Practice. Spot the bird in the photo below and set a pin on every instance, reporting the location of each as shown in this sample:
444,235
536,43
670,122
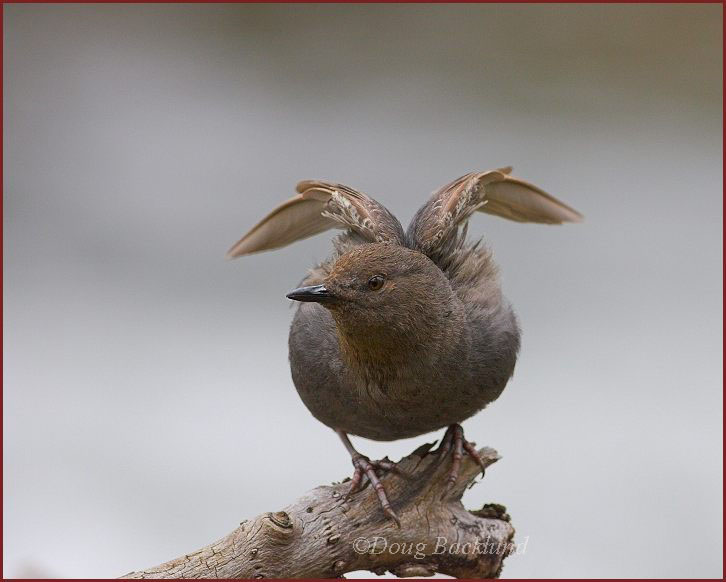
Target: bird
401,333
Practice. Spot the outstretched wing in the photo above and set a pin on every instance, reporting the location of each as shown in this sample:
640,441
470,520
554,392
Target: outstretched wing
320,206
494,192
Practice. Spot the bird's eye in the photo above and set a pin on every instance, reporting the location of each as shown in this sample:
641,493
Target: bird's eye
375,282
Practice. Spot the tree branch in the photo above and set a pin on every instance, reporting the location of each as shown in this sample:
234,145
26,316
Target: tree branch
324,534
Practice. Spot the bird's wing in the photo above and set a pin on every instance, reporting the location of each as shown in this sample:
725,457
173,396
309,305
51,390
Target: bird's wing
320,206
494,192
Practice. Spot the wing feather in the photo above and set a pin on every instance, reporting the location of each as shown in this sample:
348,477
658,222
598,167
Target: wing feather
518,200
320,206
494,192
293,220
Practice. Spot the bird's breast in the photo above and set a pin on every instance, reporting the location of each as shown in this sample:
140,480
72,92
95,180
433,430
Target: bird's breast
404,394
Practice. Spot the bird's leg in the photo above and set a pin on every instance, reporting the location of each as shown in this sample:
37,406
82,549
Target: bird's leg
457,455
445,445
359,478
454,438
364,466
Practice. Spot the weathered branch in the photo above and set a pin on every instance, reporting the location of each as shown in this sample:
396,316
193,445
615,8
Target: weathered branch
324,534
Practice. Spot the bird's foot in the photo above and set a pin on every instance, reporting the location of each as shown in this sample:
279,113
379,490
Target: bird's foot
455,443
364,467
360,477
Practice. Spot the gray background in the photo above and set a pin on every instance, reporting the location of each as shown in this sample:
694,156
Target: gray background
148,403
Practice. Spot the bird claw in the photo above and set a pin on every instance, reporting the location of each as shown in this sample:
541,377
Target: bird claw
365,467
454,438
360,479
470,448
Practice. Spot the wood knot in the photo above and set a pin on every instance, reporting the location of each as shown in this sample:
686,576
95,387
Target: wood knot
339,567
414,570
281,519
278,526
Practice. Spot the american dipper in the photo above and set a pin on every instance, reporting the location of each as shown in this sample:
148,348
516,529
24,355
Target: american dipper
402,333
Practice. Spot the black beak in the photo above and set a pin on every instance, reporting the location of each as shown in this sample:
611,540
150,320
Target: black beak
316,293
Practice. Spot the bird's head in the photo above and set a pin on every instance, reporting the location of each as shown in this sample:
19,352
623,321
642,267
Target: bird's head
382,292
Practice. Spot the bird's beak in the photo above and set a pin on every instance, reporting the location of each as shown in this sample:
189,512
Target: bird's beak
316,293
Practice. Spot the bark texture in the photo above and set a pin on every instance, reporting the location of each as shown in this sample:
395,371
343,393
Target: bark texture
325,534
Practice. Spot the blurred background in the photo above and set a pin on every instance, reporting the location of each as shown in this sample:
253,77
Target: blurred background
148,405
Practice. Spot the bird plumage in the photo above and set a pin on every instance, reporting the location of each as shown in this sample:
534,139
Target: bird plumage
320,206
402,332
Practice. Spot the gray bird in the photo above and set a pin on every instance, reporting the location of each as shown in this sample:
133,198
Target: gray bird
402,333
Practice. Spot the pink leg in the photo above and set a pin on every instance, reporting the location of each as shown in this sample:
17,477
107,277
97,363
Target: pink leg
364,466
454,439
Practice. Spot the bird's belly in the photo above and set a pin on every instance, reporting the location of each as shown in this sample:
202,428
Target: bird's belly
415,399
389,413
412,409
341,400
